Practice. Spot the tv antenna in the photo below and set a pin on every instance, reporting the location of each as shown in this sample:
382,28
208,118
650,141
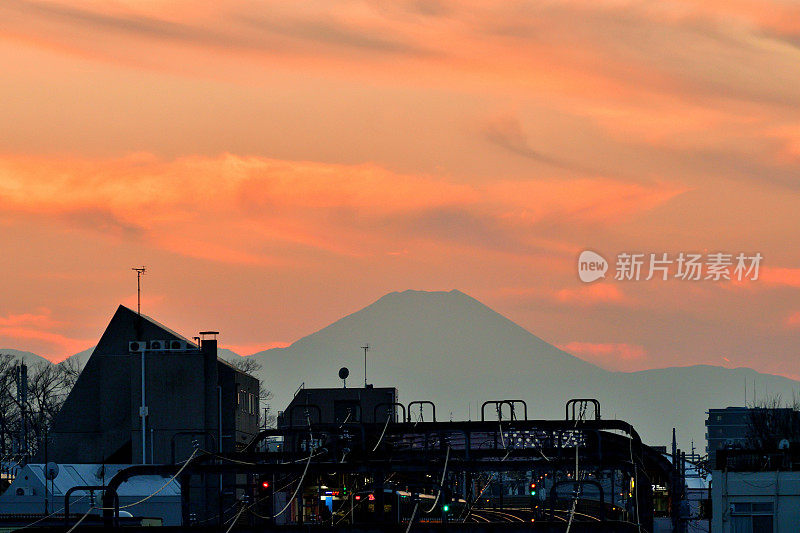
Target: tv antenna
139,273
365,347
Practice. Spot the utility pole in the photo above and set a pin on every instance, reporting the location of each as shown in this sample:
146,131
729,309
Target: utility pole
366,349
143,409
139,273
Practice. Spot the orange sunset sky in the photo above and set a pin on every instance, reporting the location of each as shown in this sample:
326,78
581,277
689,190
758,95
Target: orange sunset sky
277,165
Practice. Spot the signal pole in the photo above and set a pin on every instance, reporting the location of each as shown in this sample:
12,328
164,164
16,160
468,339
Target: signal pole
366,349
139,273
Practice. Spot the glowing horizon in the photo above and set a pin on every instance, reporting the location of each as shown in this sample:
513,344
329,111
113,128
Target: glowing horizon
279,166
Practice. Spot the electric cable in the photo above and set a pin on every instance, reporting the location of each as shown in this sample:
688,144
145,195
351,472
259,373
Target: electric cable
296,490
382,433
413,515
441,483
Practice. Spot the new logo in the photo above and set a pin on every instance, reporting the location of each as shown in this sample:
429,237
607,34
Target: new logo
591,266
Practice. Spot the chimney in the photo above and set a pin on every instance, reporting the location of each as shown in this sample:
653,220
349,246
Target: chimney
208,344
211,400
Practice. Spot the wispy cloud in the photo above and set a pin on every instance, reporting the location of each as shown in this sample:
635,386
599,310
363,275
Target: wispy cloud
594,294
614,356
506,132
249,208
39,332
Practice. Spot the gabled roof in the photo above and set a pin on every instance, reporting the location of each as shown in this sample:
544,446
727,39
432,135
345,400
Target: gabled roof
158,324
127,325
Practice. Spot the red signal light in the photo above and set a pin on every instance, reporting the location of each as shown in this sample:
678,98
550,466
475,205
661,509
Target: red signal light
358,497
265,484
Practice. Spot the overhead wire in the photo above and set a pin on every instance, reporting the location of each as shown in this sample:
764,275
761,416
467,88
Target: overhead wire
388,418
413,516
294,495
49,515
164,486
441,482
578,487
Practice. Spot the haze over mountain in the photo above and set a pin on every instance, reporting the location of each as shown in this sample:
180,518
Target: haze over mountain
450,348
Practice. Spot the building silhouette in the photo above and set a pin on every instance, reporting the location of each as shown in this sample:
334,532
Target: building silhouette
191,399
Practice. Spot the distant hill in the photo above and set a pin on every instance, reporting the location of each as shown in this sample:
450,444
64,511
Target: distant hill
81,357
29,358
228,355
450,348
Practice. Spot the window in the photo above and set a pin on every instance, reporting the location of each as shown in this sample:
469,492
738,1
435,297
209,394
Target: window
251,403
243,401
752,517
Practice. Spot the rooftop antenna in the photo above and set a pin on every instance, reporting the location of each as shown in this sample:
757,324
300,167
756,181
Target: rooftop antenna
139,273
366,349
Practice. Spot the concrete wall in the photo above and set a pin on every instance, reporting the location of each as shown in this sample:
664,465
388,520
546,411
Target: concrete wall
174,382
242,422
782,489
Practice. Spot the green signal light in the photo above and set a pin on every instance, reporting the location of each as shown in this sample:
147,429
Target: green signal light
445,508
533,493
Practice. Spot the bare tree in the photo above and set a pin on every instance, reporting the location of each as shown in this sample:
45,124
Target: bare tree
772,420
23,428
250,366
7,404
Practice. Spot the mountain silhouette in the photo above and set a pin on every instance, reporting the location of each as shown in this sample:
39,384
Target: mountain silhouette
449,348
29,358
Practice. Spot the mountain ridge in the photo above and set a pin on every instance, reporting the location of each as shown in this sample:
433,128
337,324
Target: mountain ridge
418,347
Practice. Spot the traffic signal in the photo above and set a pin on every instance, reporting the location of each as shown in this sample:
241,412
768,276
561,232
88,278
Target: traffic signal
445,508
264,487
532,488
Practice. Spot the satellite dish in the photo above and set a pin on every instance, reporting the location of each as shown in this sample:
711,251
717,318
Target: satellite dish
51,471
343,373
783,444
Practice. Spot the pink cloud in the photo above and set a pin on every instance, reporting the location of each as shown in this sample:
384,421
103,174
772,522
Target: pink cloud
592,294
780,276
35,332
616,356
41,320
793,320
251,210
51,345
